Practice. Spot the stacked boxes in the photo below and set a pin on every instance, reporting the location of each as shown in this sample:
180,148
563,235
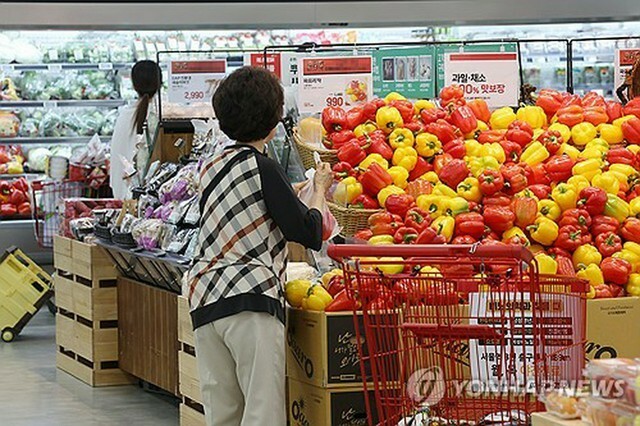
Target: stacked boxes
87,317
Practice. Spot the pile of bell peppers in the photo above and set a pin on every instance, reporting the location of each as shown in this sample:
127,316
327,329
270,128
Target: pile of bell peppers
561,177
14,199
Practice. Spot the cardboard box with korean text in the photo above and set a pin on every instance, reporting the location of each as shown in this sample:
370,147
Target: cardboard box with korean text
612,328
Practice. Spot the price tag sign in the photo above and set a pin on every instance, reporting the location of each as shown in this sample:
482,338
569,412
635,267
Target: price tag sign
274,62
54,67
493,77
195,81
49,104
105,66
623,63
344,81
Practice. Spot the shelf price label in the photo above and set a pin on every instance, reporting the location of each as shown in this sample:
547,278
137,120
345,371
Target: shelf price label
195,81
623,63
105,66
50,104
54,67
344,81
493,77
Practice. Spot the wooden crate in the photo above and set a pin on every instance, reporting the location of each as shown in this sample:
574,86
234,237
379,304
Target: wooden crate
79,296
188,374
191,413
185,326
91,264
62,260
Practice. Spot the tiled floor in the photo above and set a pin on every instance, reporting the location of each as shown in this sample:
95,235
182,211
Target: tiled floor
34,392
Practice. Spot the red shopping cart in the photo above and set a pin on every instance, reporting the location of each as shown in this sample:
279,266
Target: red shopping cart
464,334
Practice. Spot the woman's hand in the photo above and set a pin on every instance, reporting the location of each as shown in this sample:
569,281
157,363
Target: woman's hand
323,178
297,187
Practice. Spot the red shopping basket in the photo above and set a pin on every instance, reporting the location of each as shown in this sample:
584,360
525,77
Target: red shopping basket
465,334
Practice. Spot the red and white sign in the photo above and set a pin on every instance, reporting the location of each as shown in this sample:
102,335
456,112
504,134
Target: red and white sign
195,81
274,62
493,77
624,60
344,81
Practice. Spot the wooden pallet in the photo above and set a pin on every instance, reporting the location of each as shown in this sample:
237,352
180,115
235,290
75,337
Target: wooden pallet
191,413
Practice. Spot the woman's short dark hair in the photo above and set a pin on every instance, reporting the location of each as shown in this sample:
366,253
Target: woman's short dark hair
249,104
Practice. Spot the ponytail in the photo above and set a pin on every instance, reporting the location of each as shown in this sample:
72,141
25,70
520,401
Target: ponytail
147,79
141,114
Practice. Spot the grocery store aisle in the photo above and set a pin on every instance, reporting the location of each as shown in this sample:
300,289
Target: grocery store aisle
34,392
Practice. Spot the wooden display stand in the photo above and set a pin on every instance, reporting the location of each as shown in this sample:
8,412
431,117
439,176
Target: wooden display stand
87,317
191,409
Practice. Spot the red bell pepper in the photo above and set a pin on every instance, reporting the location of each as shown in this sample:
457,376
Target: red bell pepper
470,224
422,166
631,130
464,119
335,285
525,210
630,230
601,224
418,187
491,181
569,99
455,148
480,109
571,237
443,130
632,107
614,110
511,149
430,236
355,117
570,115
491,136
595,115
384,223
498,218
577,217
551,139
464,239
24,209
559,167
416,127
431,115
405,108
593,200
615,270
608,243
334,119
374,179
557,252
342,170
364,234
338,139
593,99
520,132
8,210
550,101
452,95
21,185
498,199
515,178
18,197
565,266
540,190
604,291
453,172
378,145
417,219
399,204
621,155
5,190
370,108
364,201
341,302
405,235
439,161
352,153
536,174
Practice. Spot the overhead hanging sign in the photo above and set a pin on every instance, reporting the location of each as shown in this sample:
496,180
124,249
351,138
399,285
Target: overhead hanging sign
195,81
273,62
623,63
493,77
284,65
344,81
409,71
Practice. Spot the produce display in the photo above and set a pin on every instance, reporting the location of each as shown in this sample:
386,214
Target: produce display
14,199
79,215
11,160
560,177
42,86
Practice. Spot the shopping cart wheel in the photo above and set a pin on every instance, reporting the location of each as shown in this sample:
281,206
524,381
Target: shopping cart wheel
8,335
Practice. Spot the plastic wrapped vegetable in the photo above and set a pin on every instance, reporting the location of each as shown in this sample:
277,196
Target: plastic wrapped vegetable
37,159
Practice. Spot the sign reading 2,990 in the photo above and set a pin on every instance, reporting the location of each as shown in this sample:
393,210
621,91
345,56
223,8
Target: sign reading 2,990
195,81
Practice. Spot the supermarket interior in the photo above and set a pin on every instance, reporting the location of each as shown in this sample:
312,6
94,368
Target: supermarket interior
329,213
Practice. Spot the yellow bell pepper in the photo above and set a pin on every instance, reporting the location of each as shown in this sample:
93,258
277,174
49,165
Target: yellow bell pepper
374,158
564,130
502,118
473,148
591,293
381,240
586,255
579,182
482,126
421,104
537,133
326,277
599,143
635,148
469,189
618,121
633,285
435,205
526,193
444,226
431,270
494,150
516,232
610,133
616,208
442,189
385,192
394,96
543,231
588,168
549,209
607,181
401,138
565,195
630,256
534,115
477,165
295,291
536,248
626,170
633,247
431,177
388,118
405,157
400,176
364,128
388,268
428,144
347,190
456,205
591,273
546,264
592,152
317,298
570,150
634,207
535,154
583,133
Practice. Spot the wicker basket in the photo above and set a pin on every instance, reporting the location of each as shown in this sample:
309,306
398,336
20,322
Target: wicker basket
306,152
351,220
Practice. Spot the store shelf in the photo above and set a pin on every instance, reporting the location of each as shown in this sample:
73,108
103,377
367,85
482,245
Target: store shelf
49,140
106,103
104,66
28,176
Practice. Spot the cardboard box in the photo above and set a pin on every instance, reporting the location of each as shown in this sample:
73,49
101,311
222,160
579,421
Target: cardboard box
322,348
612,328
309,405
548,419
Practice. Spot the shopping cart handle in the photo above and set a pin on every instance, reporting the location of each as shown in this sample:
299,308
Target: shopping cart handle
340,251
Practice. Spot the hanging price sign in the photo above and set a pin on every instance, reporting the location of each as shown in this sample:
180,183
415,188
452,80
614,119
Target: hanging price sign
623,63
274,62
344,81
493,77
195,81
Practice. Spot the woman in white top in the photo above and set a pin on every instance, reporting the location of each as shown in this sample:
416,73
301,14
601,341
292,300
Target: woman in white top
131,123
